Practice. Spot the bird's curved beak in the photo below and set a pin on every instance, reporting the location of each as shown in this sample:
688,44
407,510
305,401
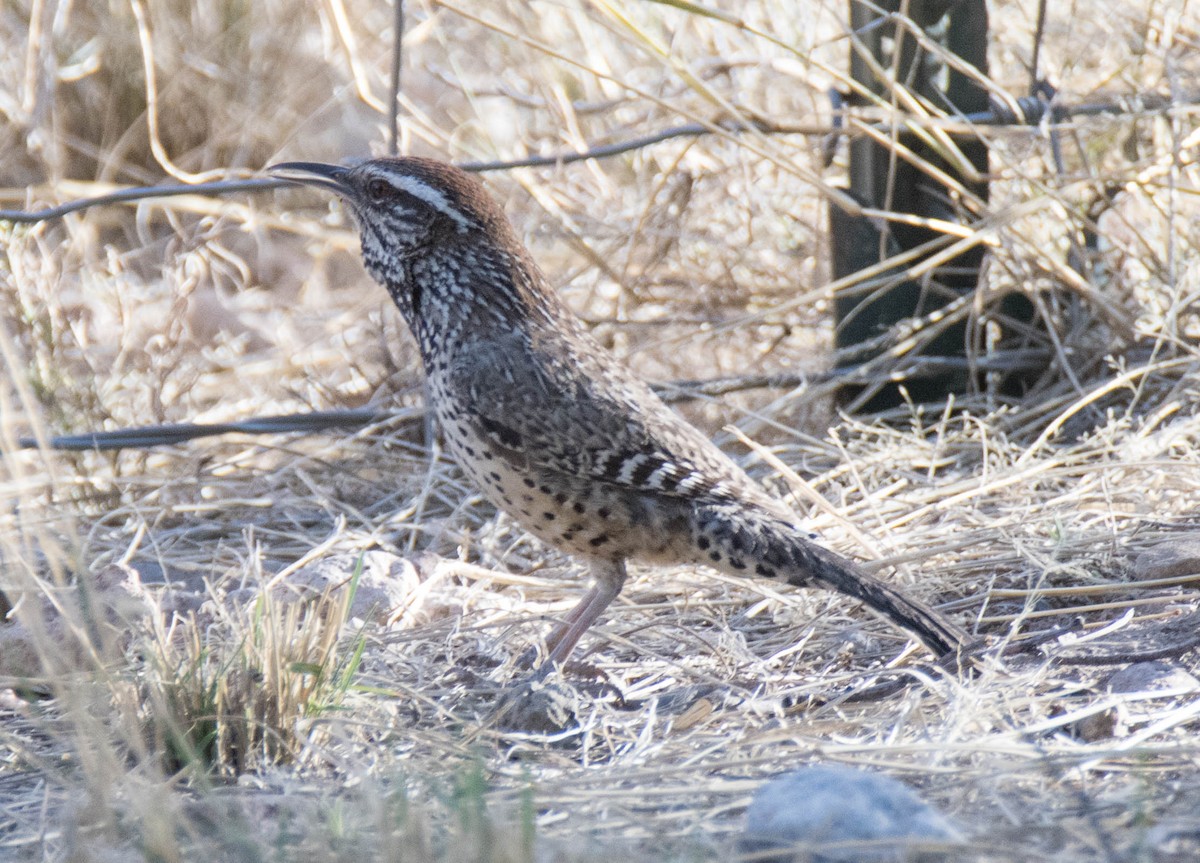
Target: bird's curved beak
332,177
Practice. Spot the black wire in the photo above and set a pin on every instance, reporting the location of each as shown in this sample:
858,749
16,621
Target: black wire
1038,32
136,193
311,422
162,435
394,87
1033,109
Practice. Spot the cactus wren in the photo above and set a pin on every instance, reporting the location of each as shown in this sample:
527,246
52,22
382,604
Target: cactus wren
553,429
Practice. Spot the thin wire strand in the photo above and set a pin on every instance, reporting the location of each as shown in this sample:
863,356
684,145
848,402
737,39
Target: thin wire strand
311,422
1032,111
1039,32
393,142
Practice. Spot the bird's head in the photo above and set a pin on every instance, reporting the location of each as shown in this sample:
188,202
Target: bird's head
434,237
404,206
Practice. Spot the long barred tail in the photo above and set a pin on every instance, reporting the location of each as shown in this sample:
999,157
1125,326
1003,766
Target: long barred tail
742,539
821,567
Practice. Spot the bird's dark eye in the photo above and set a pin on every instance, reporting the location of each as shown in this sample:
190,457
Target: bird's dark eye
379,190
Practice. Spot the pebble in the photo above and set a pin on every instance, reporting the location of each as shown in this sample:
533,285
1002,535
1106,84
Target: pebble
836,814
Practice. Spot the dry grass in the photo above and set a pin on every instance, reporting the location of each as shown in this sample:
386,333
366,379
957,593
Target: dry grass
248,649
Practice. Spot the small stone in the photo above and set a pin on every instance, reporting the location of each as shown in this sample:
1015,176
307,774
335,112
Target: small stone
10,702
835,814
1174,842
19,653
1098,726
388,583
1154,679
111,604
1176,558
118,591
149,571
1158,677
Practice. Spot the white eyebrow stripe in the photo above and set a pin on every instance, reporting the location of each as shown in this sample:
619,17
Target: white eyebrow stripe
430,195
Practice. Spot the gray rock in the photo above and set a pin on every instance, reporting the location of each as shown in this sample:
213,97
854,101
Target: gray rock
834,814
1155,676
385,586
1145,686
1178,557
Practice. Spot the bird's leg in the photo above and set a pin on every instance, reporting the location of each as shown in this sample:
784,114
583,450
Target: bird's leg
567,621
532,705
608,578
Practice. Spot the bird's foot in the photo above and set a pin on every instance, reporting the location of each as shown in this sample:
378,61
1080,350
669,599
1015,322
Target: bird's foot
537,706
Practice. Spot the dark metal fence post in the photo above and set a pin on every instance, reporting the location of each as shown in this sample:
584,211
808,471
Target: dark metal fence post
880,179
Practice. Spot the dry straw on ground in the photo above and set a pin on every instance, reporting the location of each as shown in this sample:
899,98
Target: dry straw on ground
286,647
